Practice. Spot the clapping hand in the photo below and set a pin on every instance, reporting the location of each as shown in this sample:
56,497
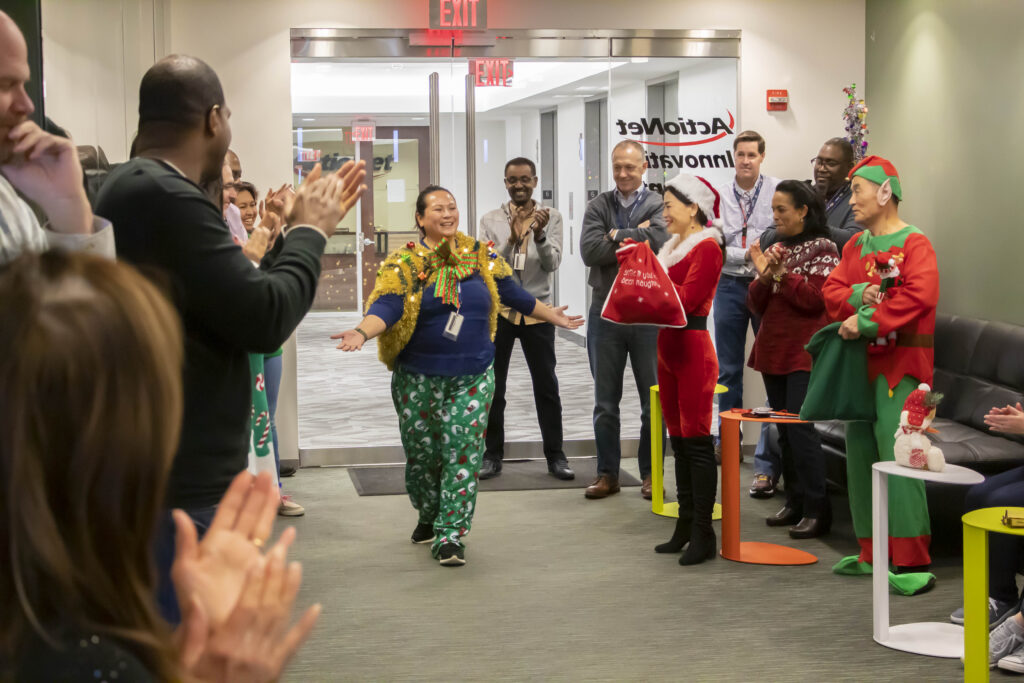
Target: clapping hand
258,244
212,572
322,201
45,168
759,260
1009,420
254,643
541,216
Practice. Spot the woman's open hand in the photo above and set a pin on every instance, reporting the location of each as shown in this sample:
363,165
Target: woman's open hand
758,258
350,340
561,319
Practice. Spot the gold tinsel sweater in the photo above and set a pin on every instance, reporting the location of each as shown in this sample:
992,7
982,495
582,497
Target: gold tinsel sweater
404,297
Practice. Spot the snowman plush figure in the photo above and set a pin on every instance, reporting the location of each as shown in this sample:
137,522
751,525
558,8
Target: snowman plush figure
913,448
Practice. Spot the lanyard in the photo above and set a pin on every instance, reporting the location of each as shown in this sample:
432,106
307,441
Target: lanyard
831,204
753,204
629,216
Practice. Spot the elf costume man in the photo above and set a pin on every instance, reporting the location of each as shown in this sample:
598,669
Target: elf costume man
854,294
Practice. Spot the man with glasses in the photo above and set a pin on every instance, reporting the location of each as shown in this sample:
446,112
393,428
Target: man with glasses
630,211
830,168
529,237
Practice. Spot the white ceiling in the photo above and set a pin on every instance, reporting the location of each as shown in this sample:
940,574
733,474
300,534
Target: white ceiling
397,93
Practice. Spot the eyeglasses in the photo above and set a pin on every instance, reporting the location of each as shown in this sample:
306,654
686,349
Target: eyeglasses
830,164
522,180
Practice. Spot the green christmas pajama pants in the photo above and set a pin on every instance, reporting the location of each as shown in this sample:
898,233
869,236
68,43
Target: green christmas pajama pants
443,421
870,442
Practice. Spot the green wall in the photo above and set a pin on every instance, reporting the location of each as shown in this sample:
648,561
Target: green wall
945,93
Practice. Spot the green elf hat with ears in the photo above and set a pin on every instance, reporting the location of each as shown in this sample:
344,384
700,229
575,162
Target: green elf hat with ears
879,170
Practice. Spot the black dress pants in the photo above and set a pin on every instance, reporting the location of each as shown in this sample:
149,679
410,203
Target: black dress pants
538,342
803,462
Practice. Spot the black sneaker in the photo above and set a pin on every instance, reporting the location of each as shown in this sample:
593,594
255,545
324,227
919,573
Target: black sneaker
763,486
451,555
287,470
423,533
490,467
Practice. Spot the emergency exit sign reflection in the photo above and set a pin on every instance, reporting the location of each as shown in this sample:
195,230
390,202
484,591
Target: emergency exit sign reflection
491,71
464,14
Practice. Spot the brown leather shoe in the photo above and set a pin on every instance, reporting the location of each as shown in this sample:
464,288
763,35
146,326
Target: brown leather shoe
645,488
604,486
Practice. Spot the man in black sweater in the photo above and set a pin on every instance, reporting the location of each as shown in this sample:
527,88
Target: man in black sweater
166,225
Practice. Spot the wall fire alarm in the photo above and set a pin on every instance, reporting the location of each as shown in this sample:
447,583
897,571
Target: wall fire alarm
778,100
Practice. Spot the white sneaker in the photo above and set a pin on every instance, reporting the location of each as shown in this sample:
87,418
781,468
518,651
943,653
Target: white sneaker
289,508
1013,662
1006,639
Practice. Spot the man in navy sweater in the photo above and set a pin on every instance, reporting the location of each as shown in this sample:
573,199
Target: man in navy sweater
629,211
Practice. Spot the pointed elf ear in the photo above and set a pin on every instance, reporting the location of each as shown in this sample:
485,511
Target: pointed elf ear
884,193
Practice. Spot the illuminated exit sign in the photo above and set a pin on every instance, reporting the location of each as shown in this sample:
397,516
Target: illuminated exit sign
491,71
464,14
363,131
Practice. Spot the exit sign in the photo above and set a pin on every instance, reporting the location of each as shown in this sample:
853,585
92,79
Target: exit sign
491,71
463,14
363,131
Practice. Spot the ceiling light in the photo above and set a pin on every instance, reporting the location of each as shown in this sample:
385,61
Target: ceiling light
309,119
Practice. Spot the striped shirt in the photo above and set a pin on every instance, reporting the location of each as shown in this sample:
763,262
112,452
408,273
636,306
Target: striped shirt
21,232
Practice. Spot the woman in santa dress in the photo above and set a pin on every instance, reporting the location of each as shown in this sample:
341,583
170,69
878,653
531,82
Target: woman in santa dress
687,364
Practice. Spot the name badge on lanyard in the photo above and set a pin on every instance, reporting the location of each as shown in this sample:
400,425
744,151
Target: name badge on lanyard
753,205
519,261
455,319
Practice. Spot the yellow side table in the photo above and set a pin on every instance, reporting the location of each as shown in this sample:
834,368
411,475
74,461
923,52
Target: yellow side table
658,504
977,525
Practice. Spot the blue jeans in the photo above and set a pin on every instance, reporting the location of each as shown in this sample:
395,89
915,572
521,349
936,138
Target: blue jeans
731,319
272,368
608,345
166,598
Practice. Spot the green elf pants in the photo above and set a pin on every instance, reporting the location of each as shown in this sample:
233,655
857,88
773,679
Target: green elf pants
870,442
261,457
443,421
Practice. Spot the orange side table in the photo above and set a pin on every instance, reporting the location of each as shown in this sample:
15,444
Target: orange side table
732,549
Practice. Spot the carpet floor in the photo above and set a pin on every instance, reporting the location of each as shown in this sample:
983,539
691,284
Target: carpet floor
524,475
557,587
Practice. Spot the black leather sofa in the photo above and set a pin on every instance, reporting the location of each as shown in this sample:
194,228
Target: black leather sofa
978,365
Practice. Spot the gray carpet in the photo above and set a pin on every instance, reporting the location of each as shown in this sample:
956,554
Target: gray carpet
522,475
562,588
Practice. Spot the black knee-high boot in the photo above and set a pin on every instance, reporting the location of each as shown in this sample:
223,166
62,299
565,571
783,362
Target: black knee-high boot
684,494
700,451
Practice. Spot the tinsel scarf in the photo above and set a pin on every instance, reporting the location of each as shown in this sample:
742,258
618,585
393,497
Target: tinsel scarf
409,270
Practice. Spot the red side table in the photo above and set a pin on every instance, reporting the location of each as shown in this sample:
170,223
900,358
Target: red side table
732,549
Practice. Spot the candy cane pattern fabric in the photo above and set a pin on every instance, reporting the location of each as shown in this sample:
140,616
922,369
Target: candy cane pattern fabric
443,421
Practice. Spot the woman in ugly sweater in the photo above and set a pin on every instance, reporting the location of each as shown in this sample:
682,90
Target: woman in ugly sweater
687,364
435,308
787,295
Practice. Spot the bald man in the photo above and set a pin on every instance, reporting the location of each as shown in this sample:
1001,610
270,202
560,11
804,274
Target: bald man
235,164
40,166
167,224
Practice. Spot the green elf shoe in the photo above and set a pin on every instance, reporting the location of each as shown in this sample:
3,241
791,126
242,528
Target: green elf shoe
913,583
849,566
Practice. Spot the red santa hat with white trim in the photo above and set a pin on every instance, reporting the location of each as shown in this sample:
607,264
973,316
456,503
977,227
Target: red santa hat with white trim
700,192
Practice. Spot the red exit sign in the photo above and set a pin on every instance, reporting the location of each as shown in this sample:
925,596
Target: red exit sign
449,14
491,71
363,131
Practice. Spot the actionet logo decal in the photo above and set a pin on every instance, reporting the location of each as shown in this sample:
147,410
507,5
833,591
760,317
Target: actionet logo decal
716,128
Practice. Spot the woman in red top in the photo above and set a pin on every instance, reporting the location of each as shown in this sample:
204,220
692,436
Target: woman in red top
787,296
687,364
